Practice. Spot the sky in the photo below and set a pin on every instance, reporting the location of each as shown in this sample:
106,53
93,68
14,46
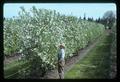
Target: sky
94,10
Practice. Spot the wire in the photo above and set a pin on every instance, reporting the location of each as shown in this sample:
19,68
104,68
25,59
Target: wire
17,72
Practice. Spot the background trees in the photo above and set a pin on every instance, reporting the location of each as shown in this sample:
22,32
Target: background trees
108,19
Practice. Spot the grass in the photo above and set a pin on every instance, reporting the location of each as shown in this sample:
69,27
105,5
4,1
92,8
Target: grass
96,64
13,67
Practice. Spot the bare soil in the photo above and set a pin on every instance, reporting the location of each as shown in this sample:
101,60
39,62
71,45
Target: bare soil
15,56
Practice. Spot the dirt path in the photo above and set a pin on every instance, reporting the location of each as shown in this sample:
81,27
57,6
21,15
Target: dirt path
70,63
8,60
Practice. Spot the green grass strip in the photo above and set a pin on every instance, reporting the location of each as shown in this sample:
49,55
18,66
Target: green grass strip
96,64
12,68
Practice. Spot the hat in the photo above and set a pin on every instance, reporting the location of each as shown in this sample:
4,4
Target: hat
62,45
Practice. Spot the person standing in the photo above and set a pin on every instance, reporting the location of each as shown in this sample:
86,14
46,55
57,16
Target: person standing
61,61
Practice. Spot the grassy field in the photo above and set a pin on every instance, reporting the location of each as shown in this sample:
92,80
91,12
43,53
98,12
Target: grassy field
96,64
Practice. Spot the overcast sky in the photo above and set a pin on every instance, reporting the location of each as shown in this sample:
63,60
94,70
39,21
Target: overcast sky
94,10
